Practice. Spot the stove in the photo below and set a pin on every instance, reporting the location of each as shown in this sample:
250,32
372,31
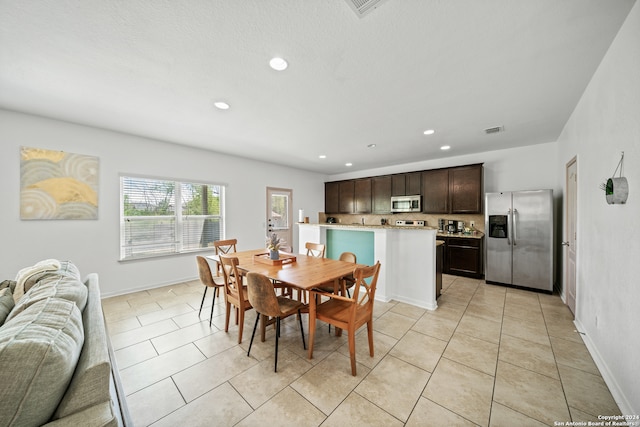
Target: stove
410,223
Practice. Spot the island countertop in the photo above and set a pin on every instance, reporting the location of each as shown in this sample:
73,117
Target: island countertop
475,235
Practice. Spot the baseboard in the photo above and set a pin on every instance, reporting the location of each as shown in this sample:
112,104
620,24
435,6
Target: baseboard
609,379
145,288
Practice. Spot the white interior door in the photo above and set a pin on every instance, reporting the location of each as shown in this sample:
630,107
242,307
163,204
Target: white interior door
570,234
279,213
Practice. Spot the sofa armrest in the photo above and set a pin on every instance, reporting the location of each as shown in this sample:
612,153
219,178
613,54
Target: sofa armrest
96,379
94,416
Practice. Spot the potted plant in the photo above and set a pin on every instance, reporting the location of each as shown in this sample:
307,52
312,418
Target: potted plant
273,244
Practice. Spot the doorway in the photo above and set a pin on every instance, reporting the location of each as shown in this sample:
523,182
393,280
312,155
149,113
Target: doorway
570,233
279,211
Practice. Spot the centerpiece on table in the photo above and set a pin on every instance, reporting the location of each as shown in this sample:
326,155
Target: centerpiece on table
273,244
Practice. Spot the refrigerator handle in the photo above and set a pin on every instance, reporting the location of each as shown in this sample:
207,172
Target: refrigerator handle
515,226
509,227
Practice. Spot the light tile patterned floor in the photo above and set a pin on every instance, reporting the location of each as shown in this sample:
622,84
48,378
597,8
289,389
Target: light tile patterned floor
488,356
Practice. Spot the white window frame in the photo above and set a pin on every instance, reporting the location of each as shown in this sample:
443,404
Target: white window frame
177,246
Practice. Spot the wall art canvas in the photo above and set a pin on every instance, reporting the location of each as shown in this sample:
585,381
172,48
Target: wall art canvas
57,185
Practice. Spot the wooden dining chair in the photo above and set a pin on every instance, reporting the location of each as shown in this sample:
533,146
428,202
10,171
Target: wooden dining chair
265,302
224,247
350,313
315,249
209,281
235,293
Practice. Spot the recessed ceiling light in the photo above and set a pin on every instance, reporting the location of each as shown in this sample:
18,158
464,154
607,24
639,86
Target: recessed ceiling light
322,156
221,105
348,164
445,147
278,64
371,146
429,132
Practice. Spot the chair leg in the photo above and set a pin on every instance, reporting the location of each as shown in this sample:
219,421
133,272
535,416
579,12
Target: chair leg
241,326
226,320
202,303
213,304
254,333
352,350
370,333
304,346
275,369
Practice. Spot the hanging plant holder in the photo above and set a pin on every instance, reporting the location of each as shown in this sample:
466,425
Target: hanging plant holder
616,190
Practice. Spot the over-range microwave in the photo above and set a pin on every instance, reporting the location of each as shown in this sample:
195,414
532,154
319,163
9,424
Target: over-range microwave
406,204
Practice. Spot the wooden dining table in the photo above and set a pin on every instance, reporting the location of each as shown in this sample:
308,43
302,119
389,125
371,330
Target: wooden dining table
305,273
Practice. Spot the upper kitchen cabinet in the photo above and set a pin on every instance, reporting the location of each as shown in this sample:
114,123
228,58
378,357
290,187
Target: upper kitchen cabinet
351,196
362,195
332,197
435,191
465,189
346,203
381,194
453,190
406,184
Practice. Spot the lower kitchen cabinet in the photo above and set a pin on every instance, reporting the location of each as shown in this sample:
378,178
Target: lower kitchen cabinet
463,257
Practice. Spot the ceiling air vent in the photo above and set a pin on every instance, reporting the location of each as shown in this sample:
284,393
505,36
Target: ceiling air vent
495,129
363,7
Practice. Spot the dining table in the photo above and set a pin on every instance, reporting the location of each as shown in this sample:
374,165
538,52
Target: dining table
300,271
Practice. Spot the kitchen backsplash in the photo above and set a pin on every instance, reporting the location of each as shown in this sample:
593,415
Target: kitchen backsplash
431,220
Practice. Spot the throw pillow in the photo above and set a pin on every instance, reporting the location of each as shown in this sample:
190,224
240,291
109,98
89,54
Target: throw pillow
8,284
6,304
27,272
39,351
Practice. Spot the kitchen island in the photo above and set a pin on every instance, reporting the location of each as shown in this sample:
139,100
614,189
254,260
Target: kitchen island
407,256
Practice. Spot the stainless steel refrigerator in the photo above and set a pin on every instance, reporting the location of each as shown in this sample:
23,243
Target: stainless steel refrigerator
519,239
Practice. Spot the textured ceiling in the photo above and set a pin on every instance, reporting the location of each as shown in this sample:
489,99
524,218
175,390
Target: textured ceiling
154,68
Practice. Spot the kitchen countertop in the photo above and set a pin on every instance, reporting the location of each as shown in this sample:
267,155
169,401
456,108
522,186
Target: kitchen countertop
478,235
378,226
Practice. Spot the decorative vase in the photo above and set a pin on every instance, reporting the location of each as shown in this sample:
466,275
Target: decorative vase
274,254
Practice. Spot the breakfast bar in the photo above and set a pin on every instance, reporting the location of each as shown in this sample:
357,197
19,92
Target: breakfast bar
407,256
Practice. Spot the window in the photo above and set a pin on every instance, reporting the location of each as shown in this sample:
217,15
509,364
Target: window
162,217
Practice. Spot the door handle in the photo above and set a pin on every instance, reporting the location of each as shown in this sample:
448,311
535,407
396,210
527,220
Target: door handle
515,226
565,244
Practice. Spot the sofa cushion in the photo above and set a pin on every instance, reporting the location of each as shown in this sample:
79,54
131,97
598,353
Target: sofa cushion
63,283
38,353
28,276
6,303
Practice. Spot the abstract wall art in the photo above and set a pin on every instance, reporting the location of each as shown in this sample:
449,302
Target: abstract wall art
57,185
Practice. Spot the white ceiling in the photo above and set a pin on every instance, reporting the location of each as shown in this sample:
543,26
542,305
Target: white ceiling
154,68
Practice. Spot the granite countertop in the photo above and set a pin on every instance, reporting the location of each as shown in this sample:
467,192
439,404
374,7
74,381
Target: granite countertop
386,226
477,235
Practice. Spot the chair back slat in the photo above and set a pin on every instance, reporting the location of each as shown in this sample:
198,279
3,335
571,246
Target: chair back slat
364,293
225,246
232,279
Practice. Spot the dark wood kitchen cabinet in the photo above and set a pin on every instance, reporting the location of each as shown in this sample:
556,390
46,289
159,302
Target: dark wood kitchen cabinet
464,257
381,194
362,195
465,189
346,203
452,190
435,191
331,197
406,184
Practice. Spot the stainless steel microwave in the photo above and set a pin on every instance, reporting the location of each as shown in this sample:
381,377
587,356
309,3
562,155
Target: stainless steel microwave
406,204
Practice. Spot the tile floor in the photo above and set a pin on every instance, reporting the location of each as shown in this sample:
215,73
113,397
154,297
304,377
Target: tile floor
488,356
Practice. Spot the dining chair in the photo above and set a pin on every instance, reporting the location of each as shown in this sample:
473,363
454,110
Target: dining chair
224,247
209,281
265,302
315,249
351,313
235,293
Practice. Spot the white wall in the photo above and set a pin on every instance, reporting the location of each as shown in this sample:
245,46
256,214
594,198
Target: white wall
94,245
523,168
606,122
